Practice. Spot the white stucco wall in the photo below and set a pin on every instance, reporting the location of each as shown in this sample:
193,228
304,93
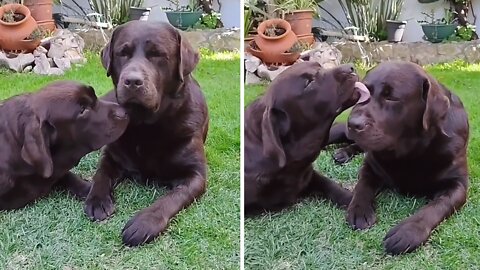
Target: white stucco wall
230,10
411,12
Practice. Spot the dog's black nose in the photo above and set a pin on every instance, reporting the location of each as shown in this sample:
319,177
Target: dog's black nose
133,80
357,123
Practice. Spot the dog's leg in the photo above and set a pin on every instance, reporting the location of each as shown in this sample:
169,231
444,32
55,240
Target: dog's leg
153,220
74,185
325,188
361,210
345,154
337,135
415,230
99,203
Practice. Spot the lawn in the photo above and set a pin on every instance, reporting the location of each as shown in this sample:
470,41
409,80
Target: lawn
54,233
314,235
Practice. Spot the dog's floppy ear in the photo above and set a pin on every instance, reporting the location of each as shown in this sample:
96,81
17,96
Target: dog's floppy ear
187,59
107,52
35,150
275,123
436,105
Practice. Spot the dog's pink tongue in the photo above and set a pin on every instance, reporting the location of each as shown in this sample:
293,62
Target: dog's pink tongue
363,90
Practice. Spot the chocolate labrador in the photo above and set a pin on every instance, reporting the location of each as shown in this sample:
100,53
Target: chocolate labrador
415,132
285,131
45,134
151,68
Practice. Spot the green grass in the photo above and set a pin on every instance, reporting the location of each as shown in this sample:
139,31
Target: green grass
314,235
55,234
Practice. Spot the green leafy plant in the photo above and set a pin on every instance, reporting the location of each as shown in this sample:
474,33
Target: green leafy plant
288,6
448,18
115,11
299,47
192,6
254,14
466,33
370,17
36,34
210,20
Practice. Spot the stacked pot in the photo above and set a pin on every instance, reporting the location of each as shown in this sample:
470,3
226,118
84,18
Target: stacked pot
14,35
273,50
301,22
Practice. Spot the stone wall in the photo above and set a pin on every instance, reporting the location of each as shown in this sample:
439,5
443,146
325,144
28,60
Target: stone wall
422,53
216,40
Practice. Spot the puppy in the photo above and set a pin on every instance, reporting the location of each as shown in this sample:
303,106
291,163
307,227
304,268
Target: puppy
45,134
285,131
415,133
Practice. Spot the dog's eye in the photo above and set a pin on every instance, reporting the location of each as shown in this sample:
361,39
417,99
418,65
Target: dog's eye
155,53
83,110
387,93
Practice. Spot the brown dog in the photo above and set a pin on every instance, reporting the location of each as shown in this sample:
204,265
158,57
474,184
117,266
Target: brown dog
415,133
285,131
151,65
45,134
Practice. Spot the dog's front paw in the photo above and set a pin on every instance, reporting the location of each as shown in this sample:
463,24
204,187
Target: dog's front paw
361,217
405,237
99,208
143,228
341,156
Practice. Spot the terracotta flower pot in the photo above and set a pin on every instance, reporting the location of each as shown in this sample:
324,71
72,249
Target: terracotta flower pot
25,45
273,59
301,21
48,25
277,44
308,38
12,32
41,10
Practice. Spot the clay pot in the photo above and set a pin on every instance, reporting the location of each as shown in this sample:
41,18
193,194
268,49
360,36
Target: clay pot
41,10
308,38
272,59
48,25
277,44
25,46
301,21
11,33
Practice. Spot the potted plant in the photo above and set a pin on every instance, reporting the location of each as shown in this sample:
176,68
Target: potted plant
183,17
437,30
299,13
275,36
30,43
139,13
42,11
16,23
395,30
285,58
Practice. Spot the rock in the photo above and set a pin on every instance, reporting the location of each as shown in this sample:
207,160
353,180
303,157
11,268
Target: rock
39,50
251,78
62,63
252,62
74,57
472,52
27,69
270,73
56,50
55,71
17,63
328,56
42,66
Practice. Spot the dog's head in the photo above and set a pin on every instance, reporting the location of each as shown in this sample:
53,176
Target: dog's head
67,119
304,97
405,103
148,62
